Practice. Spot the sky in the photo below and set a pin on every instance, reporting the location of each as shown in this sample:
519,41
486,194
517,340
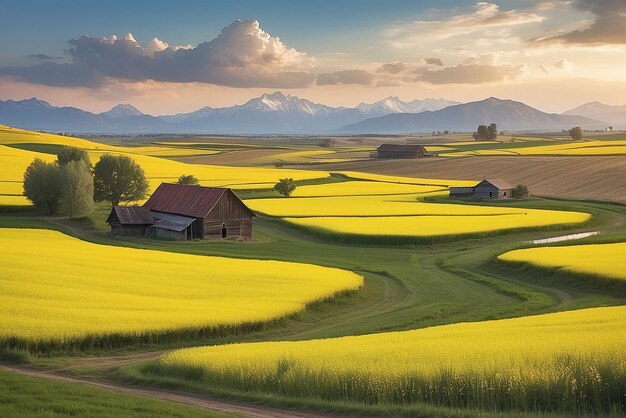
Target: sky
167,57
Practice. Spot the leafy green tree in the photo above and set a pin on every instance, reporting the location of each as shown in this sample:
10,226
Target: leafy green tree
481,133
576,133
285,187
43,185
486,133
119,179
188,179
69,153
77,189
492,132
520,191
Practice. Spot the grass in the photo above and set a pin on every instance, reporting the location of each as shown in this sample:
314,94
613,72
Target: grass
26,396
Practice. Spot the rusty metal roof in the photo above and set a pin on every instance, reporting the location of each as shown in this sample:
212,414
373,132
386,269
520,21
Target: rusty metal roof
183,199
400,148
497,183
131,215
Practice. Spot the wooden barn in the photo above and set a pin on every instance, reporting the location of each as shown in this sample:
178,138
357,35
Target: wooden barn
400,151
486,189
183,212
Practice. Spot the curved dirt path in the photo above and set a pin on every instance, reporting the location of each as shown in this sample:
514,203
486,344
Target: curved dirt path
243,409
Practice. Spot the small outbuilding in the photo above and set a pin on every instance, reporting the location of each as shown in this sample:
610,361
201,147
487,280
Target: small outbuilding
129,220
184,212
400,151
486,189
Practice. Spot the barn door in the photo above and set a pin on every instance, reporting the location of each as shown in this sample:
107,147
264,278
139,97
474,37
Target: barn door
224,230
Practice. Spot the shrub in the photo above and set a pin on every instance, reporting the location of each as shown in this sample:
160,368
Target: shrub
188,179
285,187
520,191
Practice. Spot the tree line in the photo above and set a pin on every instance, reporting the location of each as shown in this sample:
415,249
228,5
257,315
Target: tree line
71,184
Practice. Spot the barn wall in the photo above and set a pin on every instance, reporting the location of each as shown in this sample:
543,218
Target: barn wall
482,192
231,213
388,154
118,230
167,234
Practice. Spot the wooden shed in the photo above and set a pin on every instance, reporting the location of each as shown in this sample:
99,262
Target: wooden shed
400,151
183,212
486,189
129,220
493,189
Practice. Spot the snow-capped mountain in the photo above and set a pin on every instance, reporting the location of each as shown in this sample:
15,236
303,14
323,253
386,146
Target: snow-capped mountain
122,111
393,104
275,113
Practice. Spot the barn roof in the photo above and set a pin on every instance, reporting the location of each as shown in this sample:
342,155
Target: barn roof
186,200
131,215
497,183
400,148
171,222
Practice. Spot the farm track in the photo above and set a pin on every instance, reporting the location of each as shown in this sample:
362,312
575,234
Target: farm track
243,409
575,177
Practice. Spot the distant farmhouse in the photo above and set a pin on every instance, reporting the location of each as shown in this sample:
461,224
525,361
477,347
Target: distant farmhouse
400,151
184,212
486,189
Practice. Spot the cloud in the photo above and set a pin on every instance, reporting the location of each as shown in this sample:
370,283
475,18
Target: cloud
609,27
475,70
345,77
561,65
242,55
43,57
392,68
433,61
484,16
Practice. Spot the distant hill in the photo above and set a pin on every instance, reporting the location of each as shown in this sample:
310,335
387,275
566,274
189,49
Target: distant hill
274,113
613,115
507,114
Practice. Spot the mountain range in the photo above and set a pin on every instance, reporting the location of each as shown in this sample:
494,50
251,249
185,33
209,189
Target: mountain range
278,113
274,113
507,114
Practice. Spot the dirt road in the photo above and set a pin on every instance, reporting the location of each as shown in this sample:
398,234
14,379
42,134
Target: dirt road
237,408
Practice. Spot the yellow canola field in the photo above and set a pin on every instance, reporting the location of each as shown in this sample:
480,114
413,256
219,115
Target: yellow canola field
13,163
58,289
574,148
567,361
361,188
391,205
606,260
437,225
408,180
